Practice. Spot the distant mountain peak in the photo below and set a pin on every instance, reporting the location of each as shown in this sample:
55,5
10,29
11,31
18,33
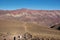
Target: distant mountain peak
23,8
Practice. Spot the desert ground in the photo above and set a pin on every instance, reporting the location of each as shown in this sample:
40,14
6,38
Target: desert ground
13,28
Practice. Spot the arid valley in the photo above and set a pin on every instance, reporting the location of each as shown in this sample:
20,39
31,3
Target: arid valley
27,24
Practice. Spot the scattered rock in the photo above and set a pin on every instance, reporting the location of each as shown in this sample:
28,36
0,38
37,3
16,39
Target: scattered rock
27,35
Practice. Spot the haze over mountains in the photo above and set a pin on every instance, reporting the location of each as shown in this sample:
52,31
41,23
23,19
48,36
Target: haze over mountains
42,17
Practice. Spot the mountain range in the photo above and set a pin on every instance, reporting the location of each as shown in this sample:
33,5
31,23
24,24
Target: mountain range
41,17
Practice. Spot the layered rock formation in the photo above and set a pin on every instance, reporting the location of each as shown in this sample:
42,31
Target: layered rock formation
43,17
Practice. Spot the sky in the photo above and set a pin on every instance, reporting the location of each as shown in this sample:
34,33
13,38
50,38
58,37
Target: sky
30,4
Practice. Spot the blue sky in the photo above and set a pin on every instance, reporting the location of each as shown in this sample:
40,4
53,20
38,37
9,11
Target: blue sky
30,4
